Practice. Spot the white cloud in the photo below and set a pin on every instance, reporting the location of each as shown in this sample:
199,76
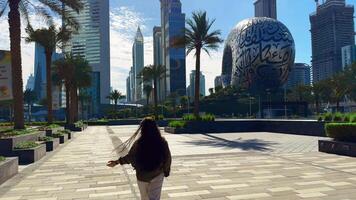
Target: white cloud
123,26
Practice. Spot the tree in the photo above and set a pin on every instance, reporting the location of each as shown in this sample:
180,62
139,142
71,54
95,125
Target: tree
184,100
14,20
115,96
76,73
198,37
29,98
153,73
147,89
49,39
211,91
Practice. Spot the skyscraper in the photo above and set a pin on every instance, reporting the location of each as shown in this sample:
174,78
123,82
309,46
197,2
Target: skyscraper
157,58
128,90
266,8
93,43
348,55
332,27
218,82
30,85
191,87
300,75
138,64
173,24
40,80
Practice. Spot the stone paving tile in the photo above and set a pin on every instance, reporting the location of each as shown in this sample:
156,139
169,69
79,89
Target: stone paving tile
200,170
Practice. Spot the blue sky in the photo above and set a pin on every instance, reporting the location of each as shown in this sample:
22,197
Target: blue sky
127,15
293,13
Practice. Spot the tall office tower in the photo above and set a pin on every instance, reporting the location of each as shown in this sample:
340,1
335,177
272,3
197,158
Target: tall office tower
93,43
173,24
191,87
128,89
348,55
218,82
266,8
300,75
138,64
30,85
332,27
157,59
40,80
132,85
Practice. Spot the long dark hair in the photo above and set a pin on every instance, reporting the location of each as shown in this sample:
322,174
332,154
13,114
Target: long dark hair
150,145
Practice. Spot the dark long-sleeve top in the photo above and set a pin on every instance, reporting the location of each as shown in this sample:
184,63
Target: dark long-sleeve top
147,176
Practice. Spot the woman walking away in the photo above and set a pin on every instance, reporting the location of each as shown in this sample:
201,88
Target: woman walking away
150,156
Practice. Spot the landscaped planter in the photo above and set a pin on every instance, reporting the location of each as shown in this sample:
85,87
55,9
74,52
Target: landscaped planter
50,131
52,145
337,147
8,169
72,127
7,144
63,138
28,156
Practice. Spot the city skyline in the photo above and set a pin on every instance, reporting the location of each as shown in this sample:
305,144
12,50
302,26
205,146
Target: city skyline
127,14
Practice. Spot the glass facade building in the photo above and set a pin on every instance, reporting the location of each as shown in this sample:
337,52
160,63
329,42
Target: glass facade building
138,64
348,55
300,74
172,25
157,59
92,42
191,87
40,80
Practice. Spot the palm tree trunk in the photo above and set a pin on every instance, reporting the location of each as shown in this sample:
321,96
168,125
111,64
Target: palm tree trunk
155,96
49,86
67,103
15,47
197,83
72,102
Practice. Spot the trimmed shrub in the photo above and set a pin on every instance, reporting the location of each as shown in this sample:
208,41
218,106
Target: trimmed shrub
2,158
79,124
320,118
58,134
45,139
328,117
353,117
208,118
11,133
341,131
177,124
337,117
346,118
26,145
205,117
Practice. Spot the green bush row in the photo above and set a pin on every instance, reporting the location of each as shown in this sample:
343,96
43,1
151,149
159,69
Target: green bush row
2,158
177,124
205,117
27,145
338,117
341,131
12,133
45,139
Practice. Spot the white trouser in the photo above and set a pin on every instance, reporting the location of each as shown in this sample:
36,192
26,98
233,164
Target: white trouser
151,190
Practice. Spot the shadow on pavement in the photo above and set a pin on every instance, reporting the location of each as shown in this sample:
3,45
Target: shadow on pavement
246,145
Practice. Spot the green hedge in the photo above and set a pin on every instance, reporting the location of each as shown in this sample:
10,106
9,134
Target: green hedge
205,117
26,145
338,117
58,134
341,131
177,124
11,133
45,139
2,158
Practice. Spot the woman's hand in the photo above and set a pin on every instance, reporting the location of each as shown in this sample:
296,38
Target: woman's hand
112,163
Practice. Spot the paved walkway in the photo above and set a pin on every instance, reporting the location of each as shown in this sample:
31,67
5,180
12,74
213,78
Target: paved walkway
214,166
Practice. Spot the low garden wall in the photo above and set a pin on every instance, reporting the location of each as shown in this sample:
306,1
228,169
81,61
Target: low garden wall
8,169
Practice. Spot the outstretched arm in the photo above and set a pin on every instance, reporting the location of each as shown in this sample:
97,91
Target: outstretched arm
128,159
168,161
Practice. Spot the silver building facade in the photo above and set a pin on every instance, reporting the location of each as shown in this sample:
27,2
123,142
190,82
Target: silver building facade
93,43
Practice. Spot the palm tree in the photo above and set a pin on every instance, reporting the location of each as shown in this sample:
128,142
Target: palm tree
76,74
147,89
198,37
49,38
115,96
29,98
14,20
153,73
